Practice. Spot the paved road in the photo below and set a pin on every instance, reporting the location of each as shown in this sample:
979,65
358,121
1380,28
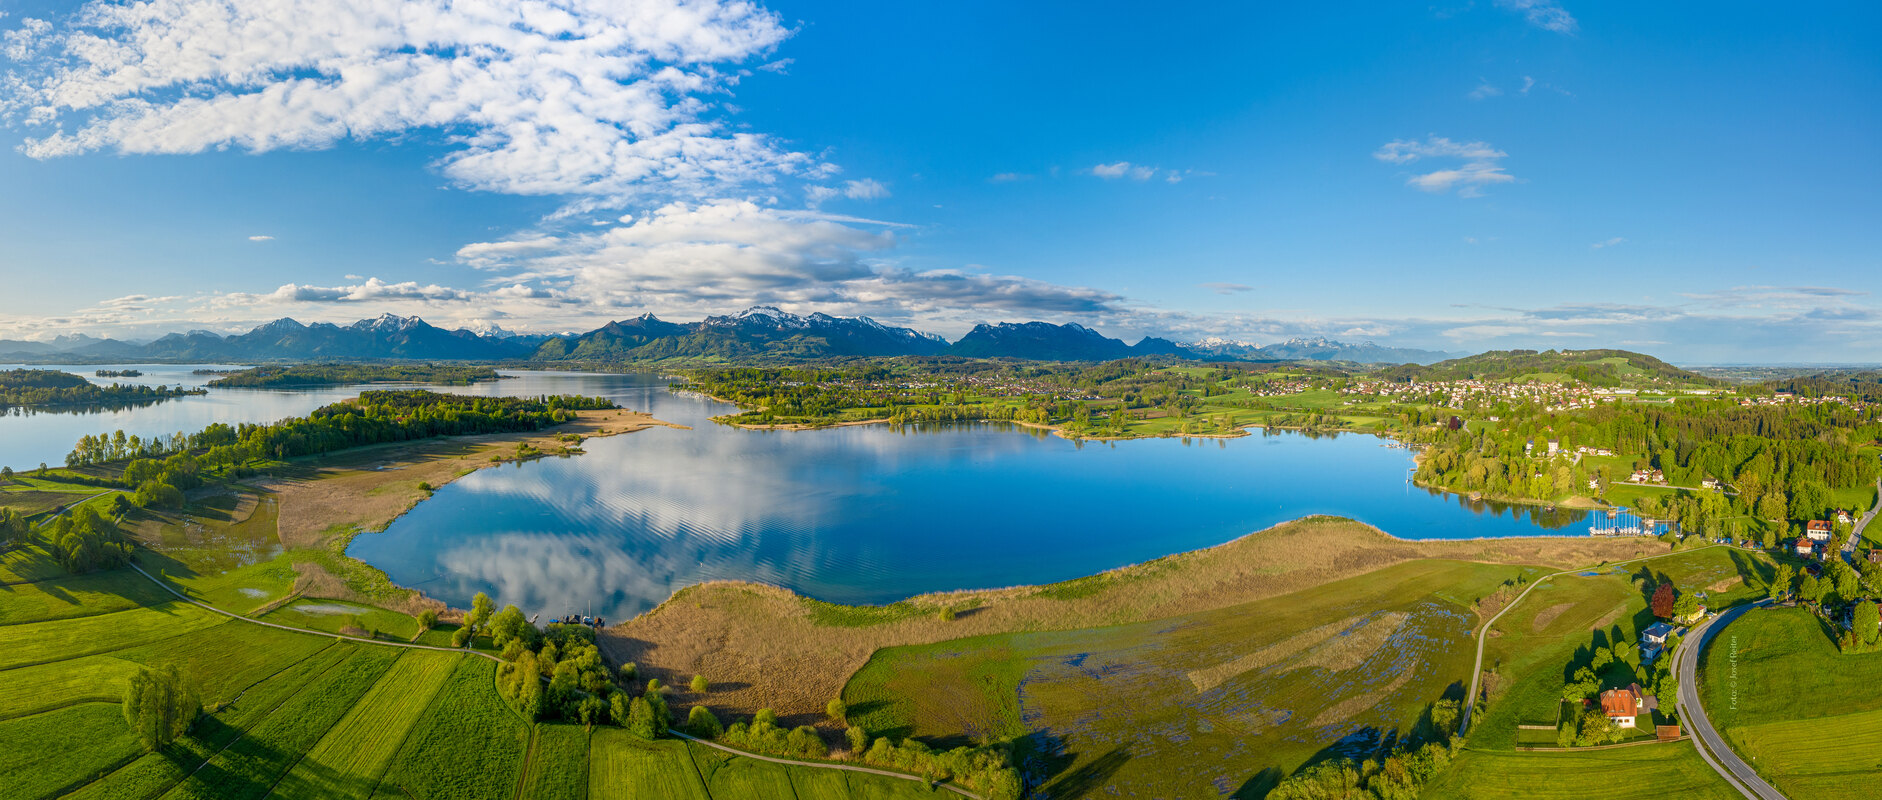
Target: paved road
1483,633
1856,532
1705,738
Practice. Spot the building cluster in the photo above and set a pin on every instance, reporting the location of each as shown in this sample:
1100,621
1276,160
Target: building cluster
1466,393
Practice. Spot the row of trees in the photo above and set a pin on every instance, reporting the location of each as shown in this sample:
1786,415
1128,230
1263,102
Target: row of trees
1398,774
341,374
375,417
83,541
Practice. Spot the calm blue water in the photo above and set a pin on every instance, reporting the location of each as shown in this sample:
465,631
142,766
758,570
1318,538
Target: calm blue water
855,515
873,514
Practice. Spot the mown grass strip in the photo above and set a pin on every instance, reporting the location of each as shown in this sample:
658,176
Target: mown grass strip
76,596
468,745
622,766
47,754
44,687
60,640
350,759
251,767
155,773
558,770
1652,772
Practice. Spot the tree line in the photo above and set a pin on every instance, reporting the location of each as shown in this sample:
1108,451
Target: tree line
47,387
340,374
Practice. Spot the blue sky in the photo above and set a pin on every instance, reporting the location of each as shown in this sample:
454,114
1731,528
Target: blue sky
1696,181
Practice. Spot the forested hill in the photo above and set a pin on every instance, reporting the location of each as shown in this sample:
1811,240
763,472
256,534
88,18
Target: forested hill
1865,385
1610,368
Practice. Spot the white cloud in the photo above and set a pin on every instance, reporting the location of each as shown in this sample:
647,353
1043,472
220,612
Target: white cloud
1480,165
583,97
373,289
1010,177
1484,90
1124,169
1545,14
1608,242
700,258
261,238
1227,288
1528,83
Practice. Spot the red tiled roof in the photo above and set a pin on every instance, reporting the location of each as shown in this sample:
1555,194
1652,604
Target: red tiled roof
1620,703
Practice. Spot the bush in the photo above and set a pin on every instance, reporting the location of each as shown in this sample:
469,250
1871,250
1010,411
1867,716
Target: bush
427,619
461,637
700,684
858,738
837,710
157,494
640,719
702,723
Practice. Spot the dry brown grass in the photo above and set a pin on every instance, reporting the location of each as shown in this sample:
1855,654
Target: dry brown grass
1548,615
367,488
1346,709
1609,618
764,646
1351,650
1211,677
1726,584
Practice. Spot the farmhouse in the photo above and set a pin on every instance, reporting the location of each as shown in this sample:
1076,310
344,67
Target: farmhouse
1623,705
1842,517
1805,547
1818,530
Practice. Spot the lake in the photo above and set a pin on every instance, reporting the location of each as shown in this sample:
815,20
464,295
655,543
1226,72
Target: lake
864,514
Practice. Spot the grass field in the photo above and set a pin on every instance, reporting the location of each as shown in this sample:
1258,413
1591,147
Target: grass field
1231,692
469,745
57,640
621,766
333,615
76,596
47,753
350,759
1805,715
558,766
1648,772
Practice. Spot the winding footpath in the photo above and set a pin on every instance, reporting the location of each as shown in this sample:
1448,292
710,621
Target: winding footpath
1705,738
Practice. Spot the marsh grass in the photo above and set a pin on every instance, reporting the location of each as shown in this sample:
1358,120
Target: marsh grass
768,647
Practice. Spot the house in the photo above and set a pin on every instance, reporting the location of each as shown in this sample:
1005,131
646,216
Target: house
1554,447
1709,483
1698,613
1657,633
1875,556
1805,547
1817,530
1623,705
1843,518
1649,652
1594,484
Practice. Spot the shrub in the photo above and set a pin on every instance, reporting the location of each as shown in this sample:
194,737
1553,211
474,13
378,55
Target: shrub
640,719
461,637
858,738
427,619
701,722
837,710
700,684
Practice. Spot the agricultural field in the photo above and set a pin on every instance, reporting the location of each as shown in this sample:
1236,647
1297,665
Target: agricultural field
334,616
1643,772
558,763
469,746
1778,689
1237,692
349,760
621,766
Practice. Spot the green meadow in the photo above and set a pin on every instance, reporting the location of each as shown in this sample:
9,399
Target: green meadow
1805,715
304,714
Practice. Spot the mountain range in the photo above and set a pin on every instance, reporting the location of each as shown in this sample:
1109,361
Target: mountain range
761,332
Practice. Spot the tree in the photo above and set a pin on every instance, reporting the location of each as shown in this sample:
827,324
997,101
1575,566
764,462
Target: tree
157,494
159,706
700,684
12,527
1812,590
640,720
507,625
1685,606
1781,581
701,722
1663,600
1596,728
837,710
1867,622
427,619
1845,579
481,609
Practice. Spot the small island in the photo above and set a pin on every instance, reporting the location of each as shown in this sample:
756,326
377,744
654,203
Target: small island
341,374
36,388
119,373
